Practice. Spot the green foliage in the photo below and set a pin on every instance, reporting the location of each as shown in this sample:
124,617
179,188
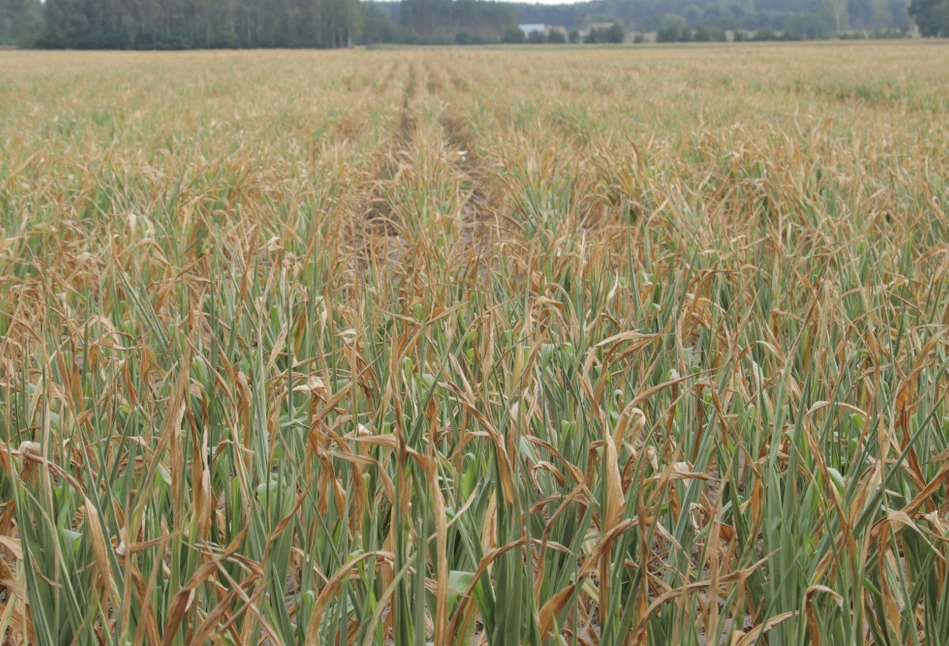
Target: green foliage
513,36
692,14
224,38
574,36
173,24
21,21
428,17
465,22
886,34
932,16
729,15
673,29
556,37
707,34
833,15
807,26
377,26
537,38
615,33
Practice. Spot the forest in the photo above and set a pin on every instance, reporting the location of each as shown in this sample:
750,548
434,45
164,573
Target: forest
435,21
809,18
209,24
819,17
816,17
180,24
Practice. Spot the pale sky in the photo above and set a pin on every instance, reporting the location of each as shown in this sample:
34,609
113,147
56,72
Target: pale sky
548,1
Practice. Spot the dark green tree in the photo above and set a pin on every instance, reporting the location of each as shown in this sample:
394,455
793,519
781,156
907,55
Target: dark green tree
182,24
20,21
537,38
487,20
703,34
932,16
672,29
615,33
748,15
377,27
513,36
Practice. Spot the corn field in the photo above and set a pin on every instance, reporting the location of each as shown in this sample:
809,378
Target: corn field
475,346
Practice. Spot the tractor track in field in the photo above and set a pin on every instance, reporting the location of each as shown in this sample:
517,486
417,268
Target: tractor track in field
387,77
484,197
480,206
462,84
382,239
433,82
407,120
380,235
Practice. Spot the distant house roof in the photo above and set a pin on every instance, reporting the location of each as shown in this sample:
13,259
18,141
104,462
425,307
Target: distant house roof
529,28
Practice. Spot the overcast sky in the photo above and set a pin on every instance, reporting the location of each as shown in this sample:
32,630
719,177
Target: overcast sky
549,1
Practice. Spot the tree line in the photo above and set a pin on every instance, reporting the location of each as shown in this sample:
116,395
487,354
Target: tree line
813,18
437,22
422,22
181,24
186,24
20,21
932,16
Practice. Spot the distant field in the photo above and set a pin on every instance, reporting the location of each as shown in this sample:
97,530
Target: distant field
604,346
